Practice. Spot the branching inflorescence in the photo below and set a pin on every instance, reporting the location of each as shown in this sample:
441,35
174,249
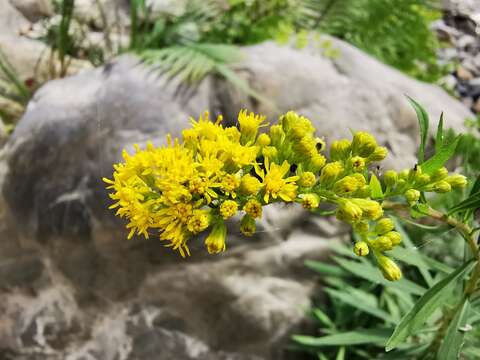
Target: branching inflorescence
216,172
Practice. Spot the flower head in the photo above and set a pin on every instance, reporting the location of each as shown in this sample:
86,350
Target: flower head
215,242
275,184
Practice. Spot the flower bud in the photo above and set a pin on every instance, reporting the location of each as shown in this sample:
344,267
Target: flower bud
457,181
263,140
361,227
199,221
412,196
357,163
253,208
360,179
361,248
215,242
249,185
269,152
249,124
346,185
306,147
384,226
394,237
340,149
382,243
310,201
422,179
442,187
439,174
247,225
364,192
349,211
295,126
320,144
378,154
276,134
371,209
228,209
390,178
307,179
363,144
330,172
317,162
403,175
389,269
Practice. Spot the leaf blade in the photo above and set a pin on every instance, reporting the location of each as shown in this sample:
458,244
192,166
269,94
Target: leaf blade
425,307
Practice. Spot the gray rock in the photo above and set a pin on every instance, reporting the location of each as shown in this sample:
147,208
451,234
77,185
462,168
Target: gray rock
12,22
34,10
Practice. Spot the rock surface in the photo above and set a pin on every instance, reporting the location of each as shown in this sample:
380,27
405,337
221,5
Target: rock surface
90,294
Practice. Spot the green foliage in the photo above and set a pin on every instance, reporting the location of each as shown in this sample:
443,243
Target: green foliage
396,32
429,316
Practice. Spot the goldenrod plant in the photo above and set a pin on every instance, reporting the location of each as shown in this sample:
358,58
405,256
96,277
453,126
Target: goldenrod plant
215,172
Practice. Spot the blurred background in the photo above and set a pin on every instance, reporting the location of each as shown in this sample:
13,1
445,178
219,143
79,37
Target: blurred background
82,79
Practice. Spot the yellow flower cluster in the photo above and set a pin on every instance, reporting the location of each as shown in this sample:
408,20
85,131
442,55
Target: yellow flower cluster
216,172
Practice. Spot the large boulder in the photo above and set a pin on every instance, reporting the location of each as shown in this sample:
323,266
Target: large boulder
244,302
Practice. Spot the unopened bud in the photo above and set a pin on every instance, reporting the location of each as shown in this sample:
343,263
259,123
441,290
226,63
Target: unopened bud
363,144
307,179
389,269
382,243
330,172
439,174
394,237
357,163
361,227
378,154
349,212
412,196
263,140
361,248
390,177
247,225
384,226
310,201
442,187
457,181
340,149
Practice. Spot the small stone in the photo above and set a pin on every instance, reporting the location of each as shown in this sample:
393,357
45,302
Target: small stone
463,73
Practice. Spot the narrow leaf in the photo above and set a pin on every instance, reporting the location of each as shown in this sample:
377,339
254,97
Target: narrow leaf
357,303
472,202
370,273
325,269
426,306
423,122
375,187
440,135
441,157
360,336
323,318
453,341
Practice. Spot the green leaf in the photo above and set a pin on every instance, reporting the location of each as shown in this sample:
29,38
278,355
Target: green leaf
426,306
441,157
453,341
375,187
357,337
370,273
323,318
423,123
472,202
325,269
341,354
356,302
440,135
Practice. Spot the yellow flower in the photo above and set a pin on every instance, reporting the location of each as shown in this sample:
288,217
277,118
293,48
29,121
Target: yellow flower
347,185
357,163
215,242
296,126
382,243
249,124
310,201
263,140
457,181
330,172
228,209
203,187
394,237
349,211
248,226
306,147
390,177
253,208
274,183
371,209
307,179
389,269
384,226
361,248
340,149
316,163
363,144
229,184
249,185
378,154
199,221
